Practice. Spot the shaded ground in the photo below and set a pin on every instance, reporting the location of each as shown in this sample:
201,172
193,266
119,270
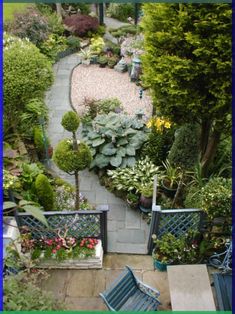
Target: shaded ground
79,289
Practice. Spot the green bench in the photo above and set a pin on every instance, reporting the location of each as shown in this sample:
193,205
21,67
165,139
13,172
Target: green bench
128,293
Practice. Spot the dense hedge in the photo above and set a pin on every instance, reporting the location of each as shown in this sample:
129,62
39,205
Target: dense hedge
44,192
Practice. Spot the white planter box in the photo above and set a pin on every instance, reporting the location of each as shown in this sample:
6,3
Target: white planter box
94,262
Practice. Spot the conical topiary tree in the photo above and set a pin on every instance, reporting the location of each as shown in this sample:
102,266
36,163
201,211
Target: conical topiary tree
71,155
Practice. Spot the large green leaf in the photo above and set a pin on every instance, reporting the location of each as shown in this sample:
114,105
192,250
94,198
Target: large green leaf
24,202
8,205
36,212
116,161
130,150
121,151
98,142
122,141
108,149
100,161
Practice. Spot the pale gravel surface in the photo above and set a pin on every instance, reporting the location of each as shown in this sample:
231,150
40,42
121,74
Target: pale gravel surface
97,83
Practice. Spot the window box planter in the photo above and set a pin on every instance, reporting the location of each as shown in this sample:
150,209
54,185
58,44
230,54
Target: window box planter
92,262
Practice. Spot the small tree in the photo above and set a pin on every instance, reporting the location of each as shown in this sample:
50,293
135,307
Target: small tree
72,156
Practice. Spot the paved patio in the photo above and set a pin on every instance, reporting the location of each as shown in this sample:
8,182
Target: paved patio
79,289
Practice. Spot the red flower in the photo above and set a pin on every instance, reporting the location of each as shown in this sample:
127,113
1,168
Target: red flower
58,247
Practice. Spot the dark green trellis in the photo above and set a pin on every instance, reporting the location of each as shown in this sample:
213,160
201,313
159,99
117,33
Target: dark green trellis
79,224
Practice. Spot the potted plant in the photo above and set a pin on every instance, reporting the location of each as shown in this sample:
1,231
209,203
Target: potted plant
102,60
132,199
145,203
170,179
172,250
112,62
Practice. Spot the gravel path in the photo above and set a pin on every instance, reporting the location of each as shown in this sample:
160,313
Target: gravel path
98,83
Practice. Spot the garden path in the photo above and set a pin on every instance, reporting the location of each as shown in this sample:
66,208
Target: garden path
127,231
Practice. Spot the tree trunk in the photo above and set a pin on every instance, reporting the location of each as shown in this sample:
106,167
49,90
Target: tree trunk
210,151
77,202
204,138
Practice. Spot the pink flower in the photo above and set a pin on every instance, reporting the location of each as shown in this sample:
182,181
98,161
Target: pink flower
54,251
58,247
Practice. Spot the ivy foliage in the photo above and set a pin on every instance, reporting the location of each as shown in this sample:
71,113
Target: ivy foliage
187,63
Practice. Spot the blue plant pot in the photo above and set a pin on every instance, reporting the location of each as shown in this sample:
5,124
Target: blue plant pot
159,265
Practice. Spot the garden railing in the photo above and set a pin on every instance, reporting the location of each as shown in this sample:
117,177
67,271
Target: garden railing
175,221
78,224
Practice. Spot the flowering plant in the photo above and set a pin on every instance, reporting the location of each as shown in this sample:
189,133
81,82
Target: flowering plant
170,249
62,248
158,123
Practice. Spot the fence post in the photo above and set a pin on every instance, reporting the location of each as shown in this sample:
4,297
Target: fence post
103,227
155,220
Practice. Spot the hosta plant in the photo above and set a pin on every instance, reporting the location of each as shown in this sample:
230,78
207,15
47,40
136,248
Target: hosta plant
114,140
136,177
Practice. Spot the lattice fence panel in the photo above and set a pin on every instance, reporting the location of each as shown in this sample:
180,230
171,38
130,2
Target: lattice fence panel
78,225
178,223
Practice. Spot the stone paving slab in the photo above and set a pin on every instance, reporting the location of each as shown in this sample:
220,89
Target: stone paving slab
79,289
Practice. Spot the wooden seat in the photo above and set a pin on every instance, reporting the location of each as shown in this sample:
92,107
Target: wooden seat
128,293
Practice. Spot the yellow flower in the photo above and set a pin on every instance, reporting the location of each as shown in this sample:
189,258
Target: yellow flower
149,123
167,124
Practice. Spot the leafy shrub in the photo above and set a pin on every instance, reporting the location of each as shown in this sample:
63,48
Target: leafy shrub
124,31
39,141
69,160
115,48
83,7
30,24
133,178
21,293
103,60
217,198
114,139
53,45
222,163
70,121
73,42
121,11
104,106
29,174
44,192
97,45
54,21
80,25
27,74
193,197
112,61
158,146
185,149
34,109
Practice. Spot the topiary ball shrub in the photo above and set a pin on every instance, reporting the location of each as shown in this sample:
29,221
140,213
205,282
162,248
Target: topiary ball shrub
44,192
70,160
217,198
70,121
185,149
80,25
